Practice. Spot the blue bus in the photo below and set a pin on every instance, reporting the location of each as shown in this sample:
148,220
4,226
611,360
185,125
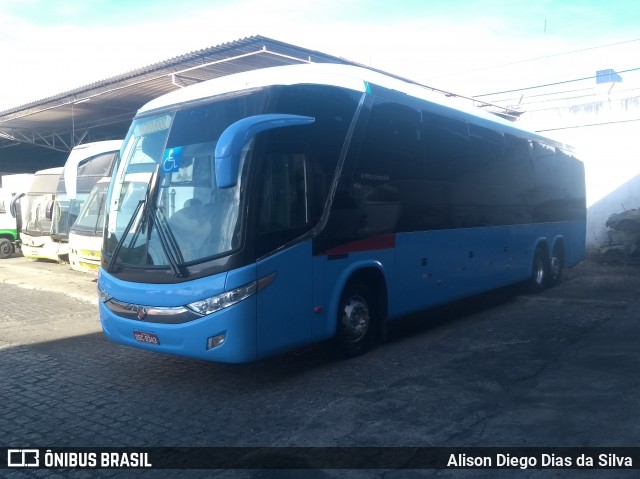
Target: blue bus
295,204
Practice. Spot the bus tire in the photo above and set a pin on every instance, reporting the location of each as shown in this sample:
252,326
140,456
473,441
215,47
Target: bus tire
554,277
540,271
357,318
6,248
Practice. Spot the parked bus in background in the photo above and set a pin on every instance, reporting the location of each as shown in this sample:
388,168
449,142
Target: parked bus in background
86,165
85,236
295,204
12,188
35,234
8,225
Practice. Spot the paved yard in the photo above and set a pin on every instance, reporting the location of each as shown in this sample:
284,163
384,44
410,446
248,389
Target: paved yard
555,369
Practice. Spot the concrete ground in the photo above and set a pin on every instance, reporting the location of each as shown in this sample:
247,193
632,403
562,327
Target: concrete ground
48,276
505,370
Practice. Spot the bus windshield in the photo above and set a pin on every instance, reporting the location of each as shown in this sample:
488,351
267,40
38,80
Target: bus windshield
36,222
39,198
181,217
86,174
91,217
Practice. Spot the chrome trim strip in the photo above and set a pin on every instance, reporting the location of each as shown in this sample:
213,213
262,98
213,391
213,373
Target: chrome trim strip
151,314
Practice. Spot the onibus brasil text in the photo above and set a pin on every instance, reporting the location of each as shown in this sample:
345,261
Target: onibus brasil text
95,459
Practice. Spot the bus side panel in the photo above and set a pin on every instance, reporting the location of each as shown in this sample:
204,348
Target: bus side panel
285,308
575,250
439,266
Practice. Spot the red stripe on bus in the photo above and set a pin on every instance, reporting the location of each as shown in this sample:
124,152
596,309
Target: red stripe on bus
367,244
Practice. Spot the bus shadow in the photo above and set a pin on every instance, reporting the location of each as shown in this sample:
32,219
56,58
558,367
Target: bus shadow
93,355
442,315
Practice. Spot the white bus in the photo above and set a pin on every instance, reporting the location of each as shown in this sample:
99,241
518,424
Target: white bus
13,187
35,235
85,236
85,165
8,228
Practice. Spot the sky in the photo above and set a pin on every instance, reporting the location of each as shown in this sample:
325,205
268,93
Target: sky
469,47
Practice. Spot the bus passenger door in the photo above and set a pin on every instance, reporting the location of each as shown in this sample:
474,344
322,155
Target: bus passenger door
284,305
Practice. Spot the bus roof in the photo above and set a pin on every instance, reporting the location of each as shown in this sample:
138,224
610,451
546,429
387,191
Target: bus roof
81,153
50,171
344,76
87,150
45,181
313,73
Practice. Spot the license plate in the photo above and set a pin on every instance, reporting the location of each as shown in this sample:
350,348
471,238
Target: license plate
149,338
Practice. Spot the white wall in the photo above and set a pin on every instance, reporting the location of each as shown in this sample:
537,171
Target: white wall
14,184
626,197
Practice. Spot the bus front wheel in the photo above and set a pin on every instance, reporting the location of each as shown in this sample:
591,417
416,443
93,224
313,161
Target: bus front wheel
6,248
356,320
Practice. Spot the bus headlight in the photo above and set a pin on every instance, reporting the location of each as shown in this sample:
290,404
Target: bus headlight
103,296
224,300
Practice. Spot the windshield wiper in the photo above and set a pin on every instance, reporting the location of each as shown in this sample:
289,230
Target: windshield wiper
122,239
169,245
101,206
152,215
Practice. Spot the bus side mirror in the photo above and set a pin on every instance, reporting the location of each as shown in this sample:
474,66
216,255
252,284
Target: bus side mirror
15,205
235,137
48,210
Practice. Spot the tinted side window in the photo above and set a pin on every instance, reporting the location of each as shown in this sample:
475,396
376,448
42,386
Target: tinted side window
559,193
284,210
447,147
295,166
487,145
333,110
545,187
489,197
386,180
446,163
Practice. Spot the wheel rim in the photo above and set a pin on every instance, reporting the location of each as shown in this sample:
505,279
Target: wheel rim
539,273
554,267
5,248
356,318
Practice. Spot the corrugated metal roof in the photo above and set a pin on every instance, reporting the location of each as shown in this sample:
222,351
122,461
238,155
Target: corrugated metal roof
41,134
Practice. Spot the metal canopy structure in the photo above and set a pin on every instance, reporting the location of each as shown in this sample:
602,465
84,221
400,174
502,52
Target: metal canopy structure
41,134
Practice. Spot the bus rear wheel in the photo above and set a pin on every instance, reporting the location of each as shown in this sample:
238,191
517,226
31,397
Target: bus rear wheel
540,272
555,271
6,248
356,320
